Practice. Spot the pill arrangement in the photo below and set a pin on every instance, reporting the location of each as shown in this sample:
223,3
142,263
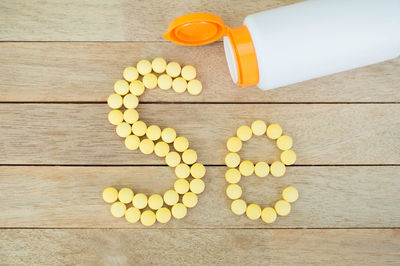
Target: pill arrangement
149,139
238,168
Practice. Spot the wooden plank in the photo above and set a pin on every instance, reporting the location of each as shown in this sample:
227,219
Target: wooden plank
322,133
82,72
330,197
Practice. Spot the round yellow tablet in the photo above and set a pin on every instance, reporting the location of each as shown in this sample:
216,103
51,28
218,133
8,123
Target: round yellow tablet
232,159
121,87
261,169
234,144
197,186
197,170
164,82
146,146
168,135
284,143
234,191
114,101
181,186
172,158
194,87
143,67
189,156
139,201
173,69
238,206
161,149
232,176
253,211
123,129
159,65
136,87
189,199
244,133
131,116
153,132
277,169
110,194
155,201
130,73
132,142
282,207
131,101
274,131
179,85
182,170
148,218
171,197
150,81
125,195
115,117
268,215
288,157
163,215
179,210
290,194
188,72
246,168
139,128
132,215
258,127
118,209
181,144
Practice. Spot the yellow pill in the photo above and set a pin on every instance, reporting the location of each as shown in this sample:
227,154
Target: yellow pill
171,197
139,128
153,132
115,117
181,144
189,156
274,131
159,65
123,130
136,87
290,194
197,186
121,87
161,149
143,67
244,133
148,218
130,73
284,143
110,195
179,211
146,146
168,135
131,101
163,215
118,209
234,191
232,176
188,72
182,170
194,87
179,85
131,116
173,69
172,158
277,169
238,206
125,195
132,142
288,157
234,144
139,201
246,168
132,215
268,215
189,199
155,202
181,186
114,101
232,159
164,82
197,170
253,211
150,81
282,207
261,169
258,127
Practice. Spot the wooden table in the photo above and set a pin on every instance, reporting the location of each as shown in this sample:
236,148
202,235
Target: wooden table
59,60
